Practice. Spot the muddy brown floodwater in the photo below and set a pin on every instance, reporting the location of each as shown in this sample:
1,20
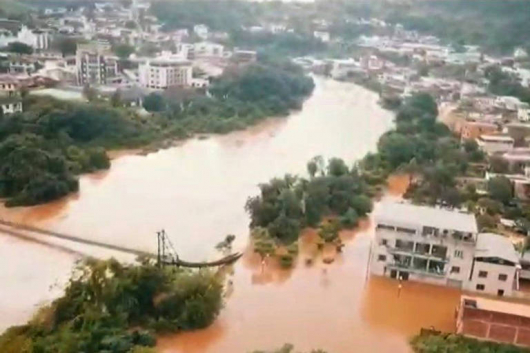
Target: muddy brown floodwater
196,192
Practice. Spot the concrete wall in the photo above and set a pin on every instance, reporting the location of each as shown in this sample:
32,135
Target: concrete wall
494,326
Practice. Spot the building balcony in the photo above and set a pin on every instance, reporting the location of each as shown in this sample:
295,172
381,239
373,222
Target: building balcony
435,272
423,255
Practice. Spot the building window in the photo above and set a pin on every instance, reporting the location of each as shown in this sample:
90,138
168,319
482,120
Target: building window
384,226
482,274
503,277
381,258
384,242
455,269
500,292
480,287
459,254
405,230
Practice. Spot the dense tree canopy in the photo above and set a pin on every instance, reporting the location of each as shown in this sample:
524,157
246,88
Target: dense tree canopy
19,48
112,307
43,149
421,145
239,98
286,205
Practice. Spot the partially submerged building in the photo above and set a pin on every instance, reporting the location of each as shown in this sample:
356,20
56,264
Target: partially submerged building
443,247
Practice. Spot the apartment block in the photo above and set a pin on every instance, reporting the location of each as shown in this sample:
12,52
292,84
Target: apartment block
165,72
443,247
95,64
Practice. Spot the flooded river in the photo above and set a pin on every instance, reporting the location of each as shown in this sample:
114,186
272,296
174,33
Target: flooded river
196,192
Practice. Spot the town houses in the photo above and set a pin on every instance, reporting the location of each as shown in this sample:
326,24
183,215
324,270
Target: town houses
119,47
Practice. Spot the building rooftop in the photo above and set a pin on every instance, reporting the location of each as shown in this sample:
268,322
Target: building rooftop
495,245
496,306
427,216
521,154
496,138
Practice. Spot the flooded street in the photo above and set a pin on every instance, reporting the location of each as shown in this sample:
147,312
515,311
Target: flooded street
196,192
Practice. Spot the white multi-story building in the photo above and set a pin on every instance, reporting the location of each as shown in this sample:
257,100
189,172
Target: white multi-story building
208,50
495,266
443,247
165,72
95,64
38,39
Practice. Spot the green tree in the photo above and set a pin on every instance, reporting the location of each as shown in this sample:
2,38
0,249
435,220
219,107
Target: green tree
66,45
89,93
123,50
19,48
500,189
350,218
154,102
337,167
329,231
115,99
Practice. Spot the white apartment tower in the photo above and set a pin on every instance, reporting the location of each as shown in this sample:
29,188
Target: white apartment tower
443,247
95,64
165,72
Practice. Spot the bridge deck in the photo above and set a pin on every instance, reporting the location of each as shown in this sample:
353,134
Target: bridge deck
180,263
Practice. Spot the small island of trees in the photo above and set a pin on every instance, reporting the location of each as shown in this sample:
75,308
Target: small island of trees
116,308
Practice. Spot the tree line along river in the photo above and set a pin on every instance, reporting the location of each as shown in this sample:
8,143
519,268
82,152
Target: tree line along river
196,192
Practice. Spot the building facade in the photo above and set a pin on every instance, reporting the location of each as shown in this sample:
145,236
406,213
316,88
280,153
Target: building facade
165,72
95,65
10,105
208,50
492,144
473,129
443,247
494,320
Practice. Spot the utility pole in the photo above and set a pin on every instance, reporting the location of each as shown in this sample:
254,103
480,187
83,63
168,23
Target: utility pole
159,262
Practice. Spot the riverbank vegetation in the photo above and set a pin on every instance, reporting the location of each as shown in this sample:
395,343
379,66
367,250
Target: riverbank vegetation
111,307
44,149
424,147
237,99
442,343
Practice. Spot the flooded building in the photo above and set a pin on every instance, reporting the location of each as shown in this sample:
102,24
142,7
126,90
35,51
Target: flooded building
443,247
494,320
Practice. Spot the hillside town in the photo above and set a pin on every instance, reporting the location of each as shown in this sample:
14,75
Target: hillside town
119,51
71,52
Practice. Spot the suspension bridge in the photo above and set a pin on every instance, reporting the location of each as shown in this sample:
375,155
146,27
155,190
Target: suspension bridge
166,254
